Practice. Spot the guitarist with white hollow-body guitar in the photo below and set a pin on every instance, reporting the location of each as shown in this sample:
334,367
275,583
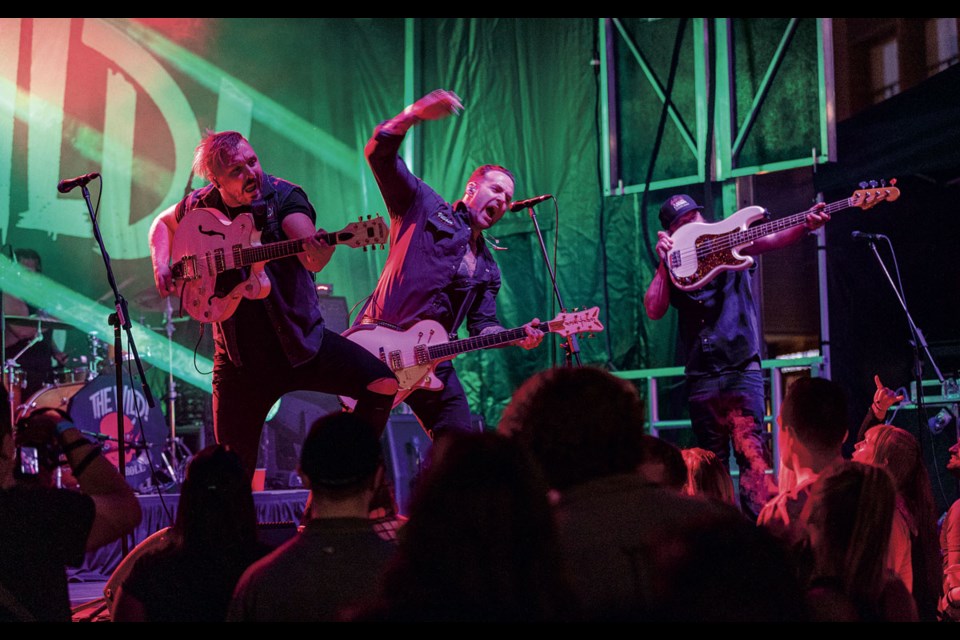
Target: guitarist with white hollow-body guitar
271,339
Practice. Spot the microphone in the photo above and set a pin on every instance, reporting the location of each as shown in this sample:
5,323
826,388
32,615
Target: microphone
65,186
529,202
867,237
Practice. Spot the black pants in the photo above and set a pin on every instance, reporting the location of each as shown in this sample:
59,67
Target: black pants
443,410
242,396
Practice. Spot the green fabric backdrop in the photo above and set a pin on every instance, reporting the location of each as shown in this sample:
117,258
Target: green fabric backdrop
310,92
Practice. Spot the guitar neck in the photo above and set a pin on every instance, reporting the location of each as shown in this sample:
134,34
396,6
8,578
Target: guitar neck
456,347
282,249
774,226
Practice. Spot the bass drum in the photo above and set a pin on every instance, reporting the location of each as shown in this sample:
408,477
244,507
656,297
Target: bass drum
50,397
93,409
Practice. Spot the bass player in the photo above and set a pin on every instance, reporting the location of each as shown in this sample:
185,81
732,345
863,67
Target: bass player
720,340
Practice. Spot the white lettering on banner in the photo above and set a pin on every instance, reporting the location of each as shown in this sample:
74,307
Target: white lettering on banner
47,211
135,405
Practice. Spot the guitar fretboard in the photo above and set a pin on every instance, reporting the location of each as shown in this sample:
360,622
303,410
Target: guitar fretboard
739,238
454,347
284,248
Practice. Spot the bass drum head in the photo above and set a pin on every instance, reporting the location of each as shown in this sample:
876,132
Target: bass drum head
94,410
50,397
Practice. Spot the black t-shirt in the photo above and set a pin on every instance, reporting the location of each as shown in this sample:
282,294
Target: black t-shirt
42,531
175,585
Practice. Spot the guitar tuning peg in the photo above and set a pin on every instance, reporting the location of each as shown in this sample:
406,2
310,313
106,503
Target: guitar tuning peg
873,184
863,185
883,182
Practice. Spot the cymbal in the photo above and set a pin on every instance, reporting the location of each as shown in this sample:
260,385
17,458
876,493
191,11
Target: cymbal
149,300
32,321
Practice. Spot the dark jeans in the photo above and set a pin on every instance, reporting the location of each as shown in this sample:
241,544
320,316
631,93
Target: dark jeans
242,396
444,410
730,407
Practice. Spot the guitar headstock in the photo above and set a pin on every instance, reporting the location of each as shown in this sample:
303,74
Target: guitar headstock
873,192
368,232
569,323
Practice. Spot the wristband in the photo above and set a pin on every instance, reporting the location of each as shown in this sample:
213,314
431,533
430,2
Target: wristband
878,411
87,459
76,444
64,425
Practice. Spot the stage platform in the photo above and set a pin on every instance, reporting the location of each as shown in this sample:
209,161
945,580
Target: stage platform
159,510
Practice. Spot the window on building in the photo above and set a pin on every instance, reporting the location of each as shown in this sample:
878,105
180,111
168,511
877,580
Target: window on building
884,70
941,40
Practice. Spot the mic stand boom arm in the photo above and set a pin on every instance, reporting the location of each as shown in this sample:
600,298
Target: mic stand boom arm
572,345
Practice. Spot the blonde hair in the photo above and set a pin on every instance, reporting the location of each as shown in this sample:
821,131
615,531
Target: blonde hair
706,476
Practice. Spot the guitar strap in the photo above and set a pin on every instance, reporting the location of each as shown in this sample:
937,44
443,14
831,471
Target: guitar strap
462,311
265,217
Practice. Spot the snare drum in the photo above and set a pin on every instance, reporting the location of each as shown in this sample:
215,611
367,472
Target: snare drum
74,370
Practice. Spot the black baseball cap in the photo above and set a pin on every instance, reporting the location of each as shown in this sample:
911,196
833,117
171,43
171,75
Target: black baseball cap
674,207
341,449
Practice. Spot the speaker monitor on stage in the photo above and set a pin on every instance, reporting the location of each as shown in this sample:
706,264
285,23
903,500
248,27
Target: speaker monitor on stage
284,433
405,449
936,431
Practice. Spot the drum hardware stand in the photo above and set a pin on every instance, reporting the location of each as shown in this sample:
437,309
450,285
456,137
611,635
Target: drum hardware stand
120,319
175,452
9,367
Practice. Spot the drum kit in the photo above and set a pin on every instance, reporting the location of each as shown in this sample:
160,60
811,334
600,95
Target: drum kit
85,386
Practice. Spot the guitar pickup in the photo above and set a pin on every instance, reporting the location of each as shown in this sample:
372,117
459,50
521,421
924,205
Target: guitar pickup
421,355
219,262
675,260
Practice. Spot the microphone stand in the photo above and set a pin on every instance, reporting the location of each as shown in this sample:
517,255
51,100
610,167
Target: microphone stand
572,346
120,319
918,341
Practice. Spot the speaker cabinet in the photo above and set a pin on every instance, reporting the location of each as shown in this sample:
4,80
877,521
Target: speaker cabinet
285,431
405,449
937,432
335,315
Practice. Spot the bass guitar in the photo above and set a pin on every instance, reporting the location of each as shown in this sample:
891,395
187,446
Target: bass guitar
703,250
413,354
217,262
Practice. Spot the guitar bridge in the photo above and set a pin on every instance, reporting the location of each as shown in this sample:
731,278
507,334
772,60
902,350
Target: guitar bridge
185,269
396,360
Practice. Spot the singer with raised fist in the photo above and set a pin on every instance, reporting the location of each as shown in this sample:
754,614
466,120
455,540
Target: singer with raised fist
440,266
